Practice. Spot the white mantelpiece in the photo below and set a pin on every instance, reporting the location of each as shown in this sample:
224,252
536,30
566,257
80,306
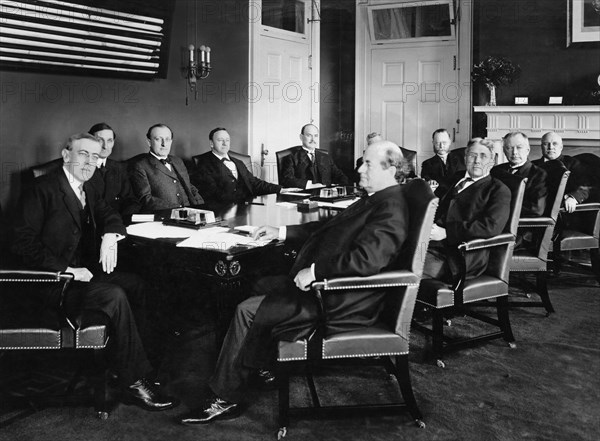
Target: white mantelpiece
579,126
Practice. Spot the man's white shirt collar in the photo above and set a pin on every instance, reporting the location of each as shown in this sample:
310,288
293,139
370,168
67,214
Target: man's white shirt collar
219,157
101,162
73,181
158,157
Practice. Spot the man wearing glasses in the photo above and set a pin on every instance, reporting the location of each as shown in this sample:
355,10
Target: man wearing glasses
63,224
477,206
160,180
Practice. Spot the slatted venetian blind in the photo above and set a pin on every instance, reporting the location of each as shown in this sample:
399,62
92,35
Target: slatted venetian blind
79,37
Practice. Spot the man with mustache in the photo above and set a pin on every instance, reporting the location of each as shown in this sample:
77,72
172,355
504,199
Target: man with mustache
308,165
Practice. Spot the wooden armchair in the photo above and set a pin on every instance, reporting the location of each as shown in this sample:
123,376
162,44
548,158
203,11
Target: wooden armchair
464,296
385,343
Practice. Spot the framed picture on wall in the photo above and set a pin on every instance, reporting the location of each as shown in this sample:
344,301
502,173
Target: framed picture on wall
583,21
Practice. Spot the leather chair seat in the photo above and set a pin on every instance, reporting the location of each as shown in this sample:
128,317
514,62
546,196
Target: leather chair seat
576,240
524,260
437,294
375,341
92,332
30,338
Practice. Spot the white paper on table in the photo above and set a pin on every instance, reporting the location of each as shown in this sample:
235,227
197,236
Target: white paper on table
293,193
249,229
290,189
154,230
345,203
286,204
219,241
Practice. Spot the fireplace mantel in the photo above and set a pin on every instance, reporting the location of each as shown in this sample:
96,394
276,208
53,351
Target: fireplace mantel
579,126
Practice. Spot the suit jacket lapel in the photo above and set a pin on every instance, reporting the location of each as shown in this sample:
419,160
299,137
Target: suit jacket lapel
161,167
69,198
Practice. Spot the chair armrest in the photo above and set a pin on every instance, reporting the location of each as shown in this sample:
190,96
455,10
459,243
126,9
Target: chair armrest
383,280
25,276
478,244
591,206
531,222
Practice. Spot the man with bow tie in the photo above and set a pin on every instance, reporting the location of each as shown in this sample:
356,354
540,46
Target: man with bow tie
224,179
477,206
112,181
516,148
307,165
63,224
160,180
365,239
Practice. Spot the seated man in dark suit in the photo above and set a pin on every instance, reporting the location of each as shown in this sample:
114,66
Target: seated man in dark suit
516,148
160,180
63,224
111,180
364,239
477,206
223,179
308,165
579,183
439,170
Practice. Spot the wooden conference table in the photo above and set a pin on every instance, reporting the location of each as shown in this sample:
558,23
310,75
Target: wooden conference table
207,283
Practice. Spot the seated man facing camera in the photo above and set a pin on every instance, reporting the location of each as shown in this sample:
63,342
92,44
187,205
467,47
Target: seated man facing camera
364,239
307,165
63,224
159,179
224,179
477,206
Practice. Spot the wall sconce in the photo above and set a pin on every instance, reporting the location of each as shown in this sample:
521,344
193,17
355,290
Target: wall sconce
198,65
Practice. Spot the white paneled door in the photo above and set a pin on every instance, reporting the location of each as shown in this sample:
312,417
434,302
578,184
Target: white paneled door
283,92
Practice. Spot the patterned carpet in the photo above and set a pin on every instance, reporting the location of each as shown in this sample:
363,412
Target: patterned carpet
548,388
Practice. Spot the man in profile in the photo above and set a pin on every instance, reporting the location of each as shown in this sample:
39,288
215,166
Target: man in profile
223,178
111,178
308,166
364,239
439,170
516,148
160,180
62,224
477,206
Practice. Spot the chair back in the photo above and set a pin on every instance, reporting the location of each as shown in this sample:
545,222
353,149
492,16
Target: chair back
459,153
500,256
246,159
47,167
558,177
280,158
422,205
410,157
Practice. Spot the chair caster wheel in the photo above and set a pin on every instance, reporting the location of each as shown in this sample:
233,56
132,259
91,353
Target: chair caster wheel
420,424
512,345
440,363
102,415
282,433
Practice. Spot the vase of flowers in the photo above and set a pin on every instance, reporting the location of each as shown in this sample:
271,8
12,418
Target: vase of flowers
494,72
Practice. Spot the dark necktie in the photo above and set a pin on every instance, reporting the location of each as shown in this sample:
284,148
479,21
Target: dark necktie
514,170
165,161
231,166
461,185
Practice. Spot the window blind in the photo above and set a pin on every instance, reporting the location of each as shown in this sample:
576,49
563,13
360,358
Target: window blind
78,37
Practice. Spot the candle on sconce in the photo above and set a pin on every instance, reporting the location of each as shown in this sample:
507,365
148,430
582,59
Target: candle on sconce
208,54
191,49
202,53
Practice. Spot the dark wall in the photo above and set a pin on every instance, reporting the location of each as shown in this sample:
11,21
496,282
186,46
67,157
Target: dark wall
533,34
337,81
39,111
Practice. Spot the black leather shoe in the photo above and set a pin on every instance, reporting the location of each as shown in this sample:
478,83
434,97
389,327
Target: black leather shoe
148,396
214,409
266,379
